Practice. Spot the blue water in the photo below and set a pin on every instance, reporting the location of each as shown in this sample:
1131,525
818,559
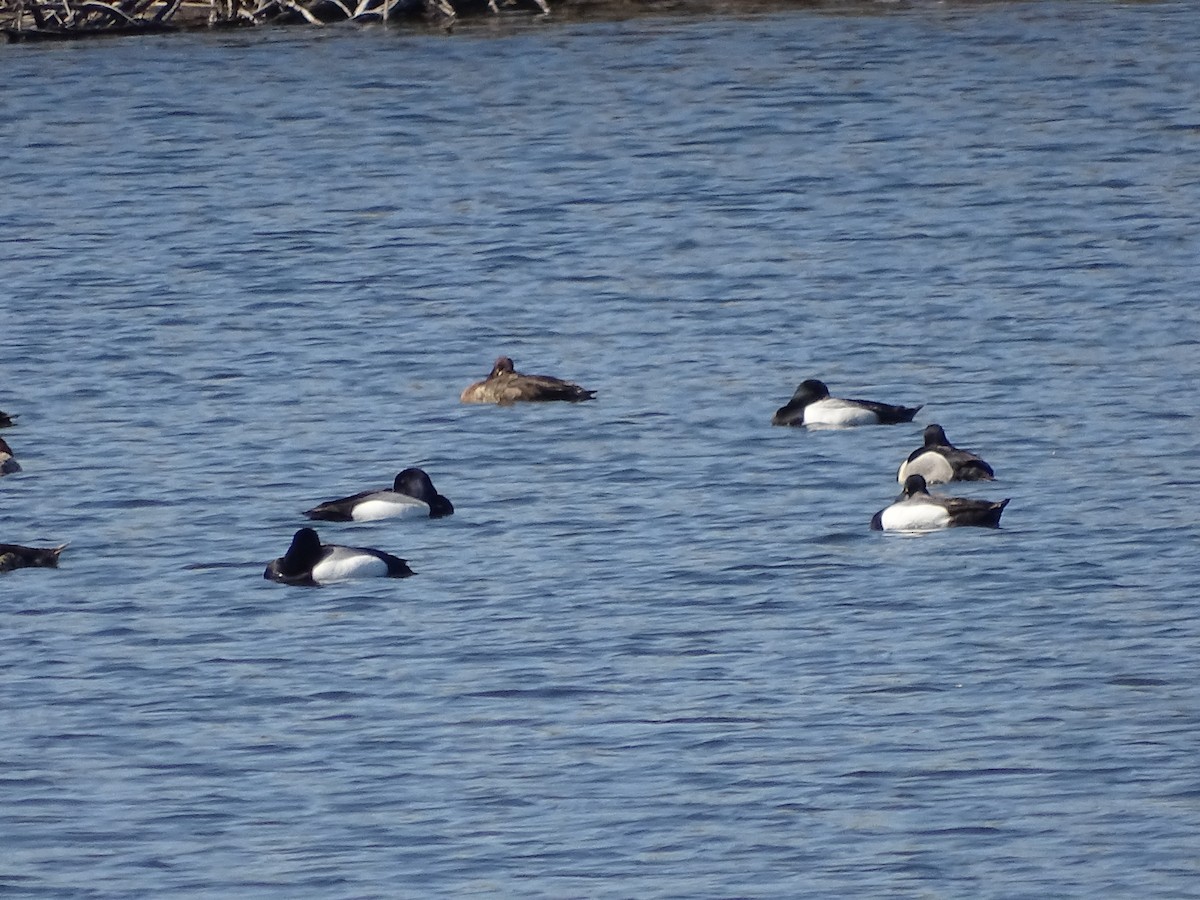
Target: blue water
656,652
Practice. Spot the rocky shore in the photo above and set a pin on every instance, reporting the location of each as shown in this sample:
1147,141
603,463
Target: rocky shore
59,20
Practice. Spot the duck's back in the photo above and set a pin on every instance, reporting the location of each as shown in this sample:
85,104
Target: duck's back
516,388
981,513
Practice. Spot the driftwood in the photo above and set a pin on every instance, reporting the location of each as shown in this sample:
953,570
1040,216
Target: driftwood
46,20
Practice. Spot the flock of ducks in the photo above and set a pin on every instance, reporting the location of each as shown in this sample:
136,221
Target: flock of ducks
310,562
937,461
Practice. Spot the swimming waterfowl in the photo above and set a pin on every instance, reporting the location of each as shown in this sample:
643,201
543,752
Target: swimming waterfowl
504,386
812,405
918,510
6,421
8,465
308,562
14,556
939,461
412,494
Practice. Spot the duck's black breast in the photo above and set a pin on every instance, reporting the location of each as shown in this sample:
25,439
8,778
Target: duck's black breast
277,570
440,507
791,413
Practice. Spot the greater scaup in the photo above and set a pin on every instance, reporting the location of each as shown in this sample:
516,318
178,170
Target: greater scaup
309,562
811,405
940,461
412,494
918,510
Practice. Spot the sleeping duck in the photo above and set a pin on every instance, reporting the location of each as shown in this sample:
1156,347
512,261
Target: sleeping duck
940,461
811,405
918,510
412,494
308,562
504,386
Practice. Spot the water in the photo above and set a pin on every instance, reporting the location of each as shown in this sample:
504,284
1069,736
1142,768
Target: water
656,652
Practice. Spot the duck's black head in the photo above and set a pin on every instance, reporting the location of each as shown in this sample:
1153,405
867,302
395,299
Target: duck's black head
295,566
811,390
503,366
304,551
935,436
915,484
414,482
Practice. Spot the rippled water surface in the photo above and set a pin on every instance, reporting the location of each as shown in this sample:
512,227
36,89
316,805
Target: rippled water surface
656,652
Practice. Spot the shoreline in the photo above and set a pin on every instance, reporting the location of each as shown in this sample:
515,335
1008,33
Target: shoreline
63,20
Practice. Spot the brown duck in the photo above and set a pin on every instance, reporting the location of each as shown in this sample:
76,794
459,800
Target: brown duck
505,385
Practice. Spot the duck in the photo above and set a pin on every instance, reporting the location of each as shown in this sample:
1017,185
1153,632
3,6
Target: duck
8,465
812,405
505,386
14,556
918,510
412,494
6,421
939,461
310,563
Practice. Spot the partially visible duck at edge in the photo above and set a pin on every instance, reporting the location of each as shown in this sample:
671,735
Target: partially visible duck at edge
8,465
14,556
6,421
412,494
504,386
918,510
939,461
310,563
811,405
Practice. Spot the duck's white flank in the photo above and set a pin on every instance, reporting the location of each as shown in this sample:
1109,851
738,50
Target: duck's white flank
834,413
389,505
932,465
908,515
343,563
